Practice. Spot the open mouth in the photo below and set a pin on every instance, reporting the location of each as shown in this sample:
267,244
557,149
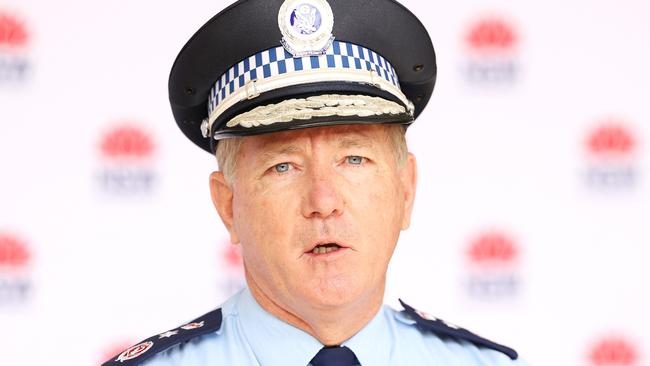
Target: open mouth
325,248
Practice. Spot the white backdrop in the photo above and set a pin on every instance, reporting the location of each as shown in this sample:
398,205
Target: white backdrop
531,221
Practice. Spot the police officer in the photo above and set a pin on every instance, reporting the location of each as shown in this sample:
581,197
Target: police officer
305,103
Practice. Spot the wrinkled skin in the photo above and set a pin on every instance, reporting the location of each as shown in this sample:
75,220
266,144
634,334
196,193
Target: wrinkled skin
296,189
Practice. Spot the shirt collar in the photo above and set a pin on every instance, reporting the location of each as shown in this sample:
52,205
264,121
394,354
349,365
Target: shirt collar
372,344
273,341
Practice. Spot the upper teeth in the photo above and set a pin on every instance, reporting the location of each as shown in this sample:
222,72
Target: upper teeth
322,249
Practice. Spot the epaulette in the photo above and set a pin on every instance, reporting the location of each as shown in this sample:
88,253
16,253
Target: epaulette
135,355
443,329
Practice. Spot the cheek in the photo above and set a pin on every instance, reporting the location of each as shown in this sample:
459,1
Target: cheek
263,226
381,200
379,210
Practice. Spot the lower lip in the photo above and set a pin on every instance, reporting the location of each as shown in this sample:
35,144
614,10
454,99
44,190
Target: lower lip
327,255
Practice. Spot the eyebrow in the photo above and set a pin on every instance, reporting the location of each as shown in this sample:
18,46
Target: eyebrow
349,142
286,150
345,143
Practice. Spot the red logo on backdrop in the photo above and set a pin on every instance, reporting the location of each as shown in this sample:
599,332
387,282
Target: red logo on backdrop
13,41
491,44
15,262
491,35
12,31
613,351
231,273
127,142
127,151
111,352
13,252
611,138
492,248
232,257
611,147
492,257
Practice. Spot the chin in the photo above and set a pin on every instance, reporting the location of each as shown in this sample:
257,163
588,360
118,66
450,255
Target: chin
335,292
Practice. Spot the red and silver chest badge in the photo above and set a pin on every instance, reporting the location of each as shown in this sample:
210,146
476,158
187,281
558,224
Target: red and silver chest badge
191,326
135,351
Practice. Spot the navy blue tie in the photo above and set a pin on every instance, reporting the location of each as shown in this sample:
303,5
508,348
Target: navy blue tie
335,356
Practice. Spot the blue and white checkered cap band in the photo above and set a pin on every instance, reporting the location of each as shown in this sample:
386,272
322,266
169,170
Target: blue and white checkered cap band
276,68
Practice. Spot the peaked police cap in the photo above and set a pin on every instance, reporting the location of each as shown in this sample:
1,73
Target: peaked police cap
262,66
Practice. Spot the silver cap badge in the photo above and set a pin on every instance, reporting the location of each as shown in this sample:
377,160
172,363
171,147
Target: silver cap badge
306,27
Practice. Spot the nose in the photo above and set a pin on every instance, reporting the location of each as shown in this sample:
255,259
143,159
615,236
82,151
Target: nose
322,197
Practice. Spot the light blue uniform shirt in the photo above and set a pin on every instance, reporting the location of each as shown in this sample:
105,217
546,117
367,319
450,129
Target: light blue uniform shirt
251,336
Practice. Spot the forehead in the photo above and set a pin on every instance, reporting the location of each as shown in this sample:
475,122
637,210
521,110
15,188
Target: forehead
345,135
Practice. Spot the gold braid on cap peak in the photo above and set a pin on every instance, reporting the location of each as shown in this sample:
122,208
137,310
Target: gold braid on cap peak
316,106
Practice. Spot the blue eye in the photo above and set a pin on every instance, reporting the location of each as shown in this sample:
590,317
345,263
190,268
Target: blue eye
282,168
355,160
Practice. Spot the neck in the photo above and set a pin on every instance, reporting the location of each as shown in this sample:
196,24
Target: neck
330,325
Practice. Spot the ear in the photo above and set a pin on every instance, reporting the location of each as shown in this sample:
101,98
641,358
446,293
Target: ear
409,178
221,192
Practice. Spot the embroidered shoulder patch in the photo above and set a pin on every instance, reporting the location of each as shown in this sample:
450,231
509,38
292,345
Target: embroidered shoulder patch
135,355
444,329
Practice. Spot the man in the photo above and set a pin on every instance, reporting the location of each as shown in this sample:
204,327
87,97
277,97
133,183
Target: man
307,103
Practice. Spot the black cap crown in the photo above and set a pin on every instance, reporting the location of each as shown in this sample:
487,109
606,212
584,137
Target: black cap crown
268,65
